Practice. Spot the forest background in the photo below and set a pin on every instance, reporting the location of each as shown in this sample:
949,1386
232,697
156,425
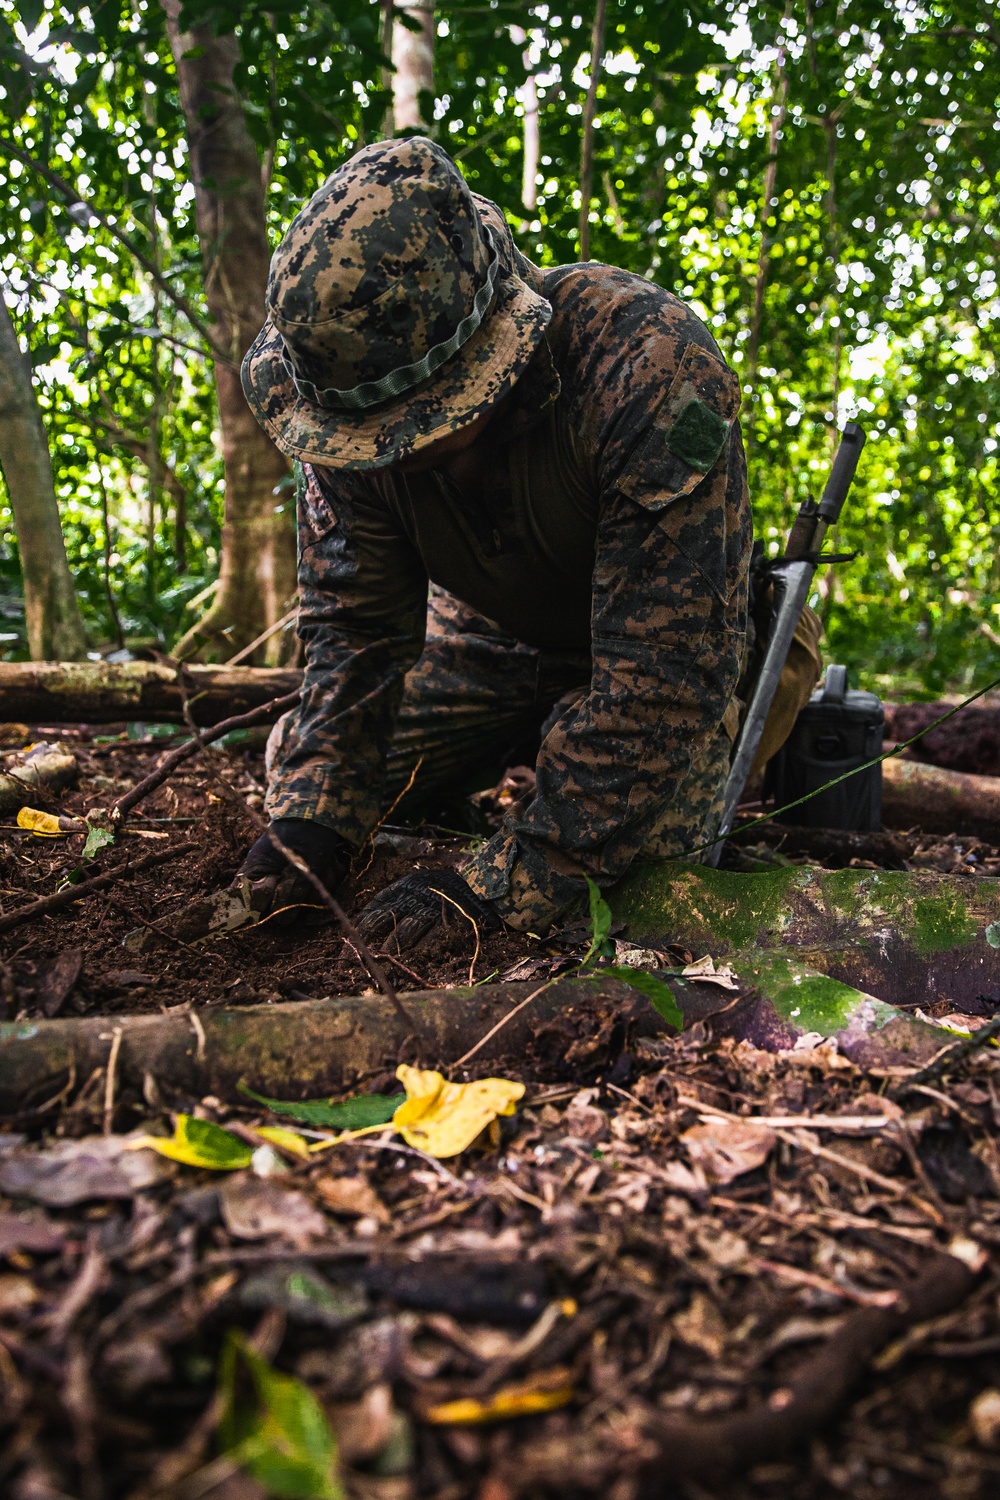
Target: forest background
820,181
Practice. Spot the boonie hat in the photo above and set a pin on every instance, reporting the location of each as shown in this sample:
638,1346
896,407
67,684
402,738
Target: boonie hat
393,317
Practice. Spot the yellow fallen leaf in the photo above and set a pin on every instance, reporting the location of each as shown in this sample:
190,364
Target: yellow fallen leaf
44,825
546,1391
199,1143
444,1118
280,1135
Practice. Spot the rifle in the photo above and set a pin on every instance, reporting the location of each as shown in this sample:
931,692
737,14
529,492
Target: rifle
791,576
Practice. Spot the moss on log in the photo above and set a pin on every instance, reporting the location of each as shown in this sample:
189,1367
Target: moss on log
908,939
100,693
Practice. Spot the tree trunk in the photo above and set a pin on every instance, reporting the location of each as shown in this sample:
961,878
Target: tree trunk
55,629
413,68
99,693
257,574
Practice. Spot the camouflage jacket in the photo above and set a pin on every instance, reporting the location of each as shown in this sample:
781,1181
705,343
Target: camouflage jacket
615,519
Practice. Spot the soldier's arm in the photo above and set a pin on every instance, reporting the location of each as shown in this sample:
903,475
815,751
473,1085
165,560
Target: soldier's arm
362,615
669,623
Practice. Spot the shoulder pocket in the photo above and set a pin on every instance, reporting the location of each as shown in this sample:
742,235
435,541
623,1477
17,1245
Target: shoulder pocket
688,432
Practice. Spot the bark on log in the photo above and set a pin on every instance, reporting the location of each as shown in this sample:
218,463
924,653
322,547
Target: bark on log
908,939
968,741
573,1028
98,693
939,801
318,1047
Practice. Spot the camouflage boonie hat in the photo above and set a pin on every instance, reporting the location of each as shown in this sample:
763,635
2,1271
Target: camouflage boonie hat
393,317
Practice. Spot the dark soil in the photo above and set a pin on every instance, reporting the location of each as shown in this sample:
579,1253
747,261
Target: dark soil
590,1258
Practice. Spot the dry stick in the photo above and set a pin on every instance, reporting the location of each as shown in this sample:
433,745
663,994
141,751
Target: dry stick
46,904
170,762
944,1059
265,635
110,1080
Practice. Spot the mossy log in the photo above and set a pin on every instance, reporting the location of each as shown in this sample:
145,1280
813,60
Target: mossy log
56,692
908,939
44,770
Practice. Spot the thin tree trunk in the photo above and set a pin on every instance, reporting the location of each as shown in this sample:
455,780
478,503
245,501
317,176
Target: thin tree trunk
528,95
779,100
590,110
257,573
55,628
413,67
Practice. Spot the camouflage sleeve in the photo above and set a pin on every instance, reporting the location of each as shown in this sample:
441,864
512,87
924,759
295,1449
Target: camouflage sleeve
668,625
362,616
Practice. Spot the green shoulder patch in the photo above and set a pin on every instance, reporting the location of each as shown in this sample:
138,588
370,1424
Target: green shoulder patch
697,435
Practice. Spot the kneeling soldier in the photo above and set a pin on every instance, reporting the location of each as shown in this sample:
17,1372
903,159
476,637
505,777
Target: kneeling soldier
522,508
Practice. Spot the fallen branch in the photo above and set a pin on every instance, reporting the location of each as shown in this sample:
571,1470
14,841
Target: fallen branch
54,692
714,1449
47,904
732,1444
170,762
314,1048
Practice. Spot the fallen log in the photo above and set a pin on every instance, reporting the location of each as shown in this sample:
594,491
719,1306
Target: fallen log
906,938
100,693
315,1048
968,741
915,795
571,1027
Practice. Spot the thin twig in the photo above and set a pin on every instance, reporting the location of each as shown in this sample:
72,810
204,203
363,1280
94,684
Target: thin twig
507,1018
170,762
462,912
48,904
265,635
110,1080
947,1057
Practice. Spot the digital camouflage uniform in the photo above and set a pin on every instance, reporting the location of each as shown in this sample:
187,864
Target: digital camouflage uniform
602,566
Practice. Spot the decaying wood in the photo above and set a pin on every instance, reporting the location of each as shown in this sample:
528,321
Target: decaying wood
45,905
968,741
317,1047
940,801
100,693
47,769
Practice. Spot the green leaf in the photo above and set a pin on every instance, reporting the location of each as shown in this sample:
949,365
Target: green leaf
600,920
97,839
199,1143
354,1114
274,1427
660,995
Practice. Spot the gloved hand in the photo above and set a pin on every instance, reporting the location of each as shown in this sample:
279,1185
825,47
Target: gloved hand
410,907
274,883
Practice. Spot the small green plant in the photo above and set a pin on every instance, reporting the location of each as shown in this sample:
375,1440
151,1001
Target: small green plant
657,993
274,1428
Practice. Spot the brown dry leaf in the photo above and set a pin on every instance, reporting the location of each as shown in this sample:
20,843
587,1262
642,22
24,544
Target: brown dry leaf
68,1172
353,1196
984,1418
363,1427
255,1208
700,1325
725,1149
583,1120
705,972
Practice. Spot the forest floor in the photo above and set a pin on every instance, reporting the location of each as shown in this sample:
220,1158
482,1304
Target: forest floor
628,1251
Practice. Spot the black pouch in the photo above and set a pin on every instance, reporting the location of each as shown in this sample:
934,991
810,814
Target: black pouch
838,729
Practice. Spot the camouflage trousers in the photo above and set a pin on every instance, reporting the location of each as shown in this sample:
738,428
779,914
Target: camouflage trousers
478,701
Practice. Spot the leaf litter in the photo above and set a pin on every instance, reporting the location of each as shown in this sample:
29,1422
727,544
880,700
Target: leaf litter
643,1241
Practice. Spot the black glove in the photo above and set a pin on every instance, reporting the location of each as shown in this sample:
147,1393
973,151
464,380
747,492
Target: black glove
412,906
275,883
